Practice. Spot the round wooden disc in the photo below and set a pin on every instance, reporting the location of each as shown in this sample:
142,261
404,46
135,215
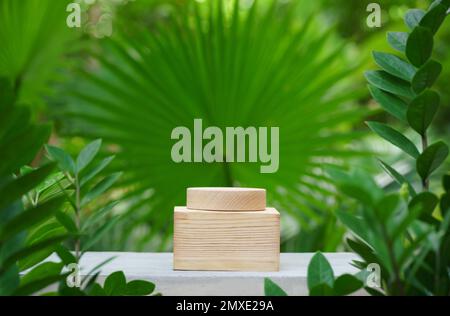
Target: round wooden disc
226,199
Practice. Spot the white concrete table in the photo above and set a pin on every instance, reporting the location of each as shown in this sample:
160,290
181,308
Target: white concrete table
157,268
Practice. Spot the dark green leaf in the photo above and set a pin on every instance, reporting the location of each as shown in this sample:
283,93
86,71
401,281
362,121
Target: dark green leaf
422,110
426,202
65,255
31,249
419,46
94,171
87,154
394,137
346,284
30,217
39,284
389,83
139,288
413,17
97,290
397,40
373,291
115,284
426,76
353,223
319,271
390,103
101,187
356,192
394,65
431,159
15,189
446,182
397,177
7,95
63,159
40,277
445,203
434,17
363,250
272,289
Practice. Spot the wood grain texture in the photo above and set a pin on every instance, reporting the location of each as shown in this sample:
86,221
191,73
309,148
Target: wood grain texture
229,241
226,199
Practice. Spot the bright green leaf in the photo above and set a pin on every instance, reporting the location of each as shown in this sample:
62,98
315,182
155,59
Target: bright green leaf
431,159
65,220
87,154
115,284
419,46
100,188
394,137
319,272
64,160
272,289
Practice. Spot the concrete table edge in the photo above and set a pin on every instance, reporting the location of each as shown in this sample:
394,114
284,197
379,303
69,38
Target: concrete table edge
158,268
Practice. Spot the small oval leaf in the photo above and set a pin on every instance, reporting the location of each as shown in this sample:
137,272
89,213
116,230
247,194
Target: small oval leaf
419,46
431,159
422,110
426,76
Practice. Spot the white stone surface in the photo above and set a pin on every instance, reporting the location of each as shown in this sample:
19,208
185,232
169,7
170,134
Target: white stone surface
157,267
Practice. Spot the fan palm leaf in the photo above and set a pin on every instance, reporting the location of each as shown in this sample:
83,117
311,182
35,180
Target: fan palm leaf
258,66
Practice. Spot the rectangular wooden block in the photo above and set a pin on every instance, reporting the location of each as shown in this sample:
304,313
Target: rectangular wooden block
226,240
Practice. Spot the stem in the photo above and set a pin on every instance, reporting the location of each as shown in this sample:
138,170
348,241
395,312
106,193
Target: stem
77,217
426,181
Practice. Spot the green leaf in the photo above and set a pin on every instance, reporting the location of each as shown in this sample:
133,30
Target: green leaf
100,188
87,154
426,76
7,95
97,290
356,192
422,110
413,17
40,277
397,40
97,216
32,249
63,159
394,137
446,182
319,271
425,202
434,17
139,288
400,179
101,232
65,255
419,46
15,189
353,223
363,250
394,65
346,284
431,159
390,103
444,204
94,171
115,284
30,217
389,83
387,206
272,289
65,220
321,290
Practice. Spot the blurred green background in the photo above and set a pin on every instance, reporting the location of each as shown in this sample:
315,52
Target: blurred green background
134,70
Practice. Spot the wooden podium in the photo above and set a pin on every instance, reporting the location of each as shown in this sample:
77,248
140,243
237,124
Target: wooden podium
228,229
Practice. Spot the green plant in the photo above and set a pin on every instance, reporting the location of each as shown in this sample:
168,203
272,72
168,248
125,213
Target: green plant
20,141
272,289
403,89
403,233
230,65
